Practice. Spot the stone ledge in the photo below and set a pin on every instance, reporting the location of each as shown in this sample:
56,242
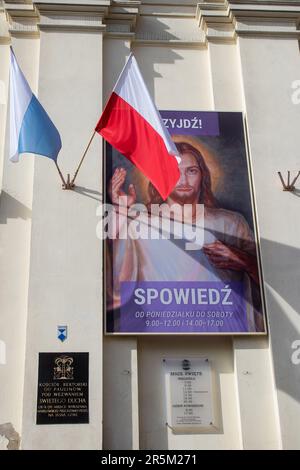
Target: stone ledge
172,43
248,18
217,21
71,22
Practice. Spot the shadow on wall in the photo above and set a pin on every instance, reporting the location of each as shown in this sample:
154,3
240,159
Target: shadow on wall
149,57
115,53
11,208
117,394
115,58
155,31
90,193
282,280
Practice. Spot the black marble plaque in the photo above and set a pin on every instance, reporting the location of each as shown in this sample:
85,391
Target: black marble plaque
63,388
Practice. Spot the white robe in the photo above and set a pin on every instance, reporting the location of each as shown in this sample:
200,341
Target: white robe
168,260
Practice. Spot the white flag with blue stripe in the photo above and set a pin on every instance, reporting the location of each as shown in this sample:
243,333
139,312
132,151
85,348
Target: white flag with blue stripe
31,129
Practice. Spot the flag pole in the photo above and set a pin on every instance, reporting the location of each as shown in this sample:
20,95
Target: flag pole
80,163
60,174
70,185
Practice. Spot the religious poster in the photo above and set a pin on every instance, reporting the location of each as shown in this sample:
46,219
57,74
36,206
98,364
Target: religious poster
188,264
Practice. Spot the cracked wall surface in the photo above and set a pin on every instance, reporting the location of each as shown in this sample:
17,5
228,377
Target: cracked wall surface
9,438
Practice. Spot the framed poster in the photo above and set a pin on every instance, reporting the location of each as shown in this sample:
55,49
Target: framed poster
189,264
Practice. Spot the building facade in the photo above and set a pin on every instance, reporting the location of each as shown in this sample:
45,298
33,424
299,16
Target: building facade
207,56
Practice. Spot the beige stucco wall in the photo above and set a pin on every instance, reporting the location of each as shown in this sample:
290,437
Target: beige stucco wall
15,228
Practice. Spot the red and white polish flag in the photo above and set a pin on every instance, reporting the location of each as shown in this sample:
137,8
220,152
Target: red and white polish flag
131,123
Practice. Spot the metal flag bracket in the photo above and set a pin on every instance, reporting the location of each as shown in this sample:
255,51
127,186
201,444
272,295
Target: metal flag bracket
288,186
70,184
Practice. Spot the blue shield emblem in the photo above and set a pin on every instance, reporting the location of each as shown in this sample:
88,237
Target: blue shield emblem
62,333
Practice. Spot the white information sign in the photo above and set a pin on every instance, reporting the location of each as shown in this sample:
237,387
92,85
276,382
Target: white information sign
189,394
